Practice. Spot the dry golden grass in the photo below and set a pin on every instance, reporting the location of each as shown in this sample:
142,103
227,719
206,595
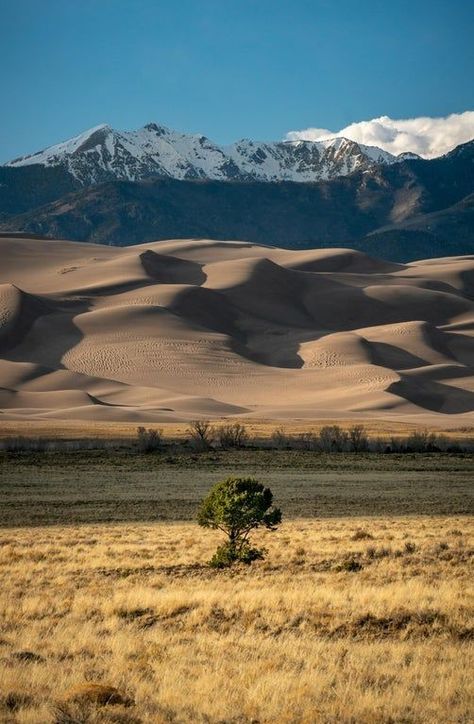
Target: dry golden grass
259,429
295,638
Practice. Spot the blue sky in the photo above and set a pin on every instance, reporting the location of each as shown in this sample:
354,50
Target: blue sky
227,68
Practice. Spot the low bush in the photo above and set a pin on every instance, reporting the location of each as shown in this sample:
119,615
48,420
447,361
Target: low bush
424,441
333,438
233,435
351,565
149,441
202,434
362,535
308,441
373,552
227,554
358,439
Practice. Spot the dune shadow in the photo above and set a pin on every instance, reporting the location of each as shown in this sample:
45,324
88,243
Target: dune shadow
467,281
269,315
49,336
433,395
31,308
164,269
396,358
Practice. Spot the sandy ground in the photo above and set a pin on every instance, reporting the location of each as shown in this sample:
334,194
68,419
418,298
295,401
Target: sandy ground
170,331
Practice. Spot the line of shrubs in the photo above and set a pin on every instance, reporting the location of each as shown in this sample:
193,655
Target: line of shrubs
203,436
333,438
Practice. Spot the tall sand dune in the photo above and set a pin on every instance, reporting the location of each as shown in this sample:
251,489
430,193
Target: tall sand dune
179,329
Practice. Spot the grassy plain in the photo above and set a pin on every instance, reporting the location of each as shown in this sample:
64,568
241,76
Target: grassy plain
361,612
257,429
98,486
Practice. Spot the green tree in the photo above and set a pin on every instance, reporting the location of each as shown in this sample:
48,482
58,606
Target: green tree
236,506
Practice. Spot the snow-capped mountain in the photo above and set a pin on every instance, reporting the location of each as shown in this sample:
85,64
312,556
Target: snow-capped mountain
103,154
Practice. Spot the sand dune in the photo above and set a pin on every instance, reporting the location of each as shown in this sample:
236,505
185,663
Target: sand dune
198,328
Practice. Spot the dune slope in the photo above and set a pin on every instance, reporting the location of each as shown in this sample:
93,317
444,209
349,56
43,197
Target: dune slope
196,328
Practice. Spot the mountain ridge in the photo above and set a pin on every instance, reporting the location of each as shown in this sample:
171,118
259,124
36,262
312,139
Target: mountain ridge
405,211
102,154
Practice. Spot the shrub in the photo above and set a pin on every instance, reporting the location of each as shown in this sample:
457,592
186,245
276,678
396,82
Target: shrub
280,439
396,445
99,694
201,433
420,441
333,439
382,552
236,506
226,555
425,441
379,445
442,443
149,440
308,441
13,701
232,435
358,439
351,565
361,534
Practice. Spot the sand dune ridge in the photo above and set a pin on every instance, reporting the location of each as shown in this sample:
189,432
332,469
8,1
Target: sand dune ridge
179,329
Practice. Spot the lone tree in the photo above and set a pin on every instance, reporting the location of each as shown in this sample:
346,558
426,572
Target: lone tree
236,506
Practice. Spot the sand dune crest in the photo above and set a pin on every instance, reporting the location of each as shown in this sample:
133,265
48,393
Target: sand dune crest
182,329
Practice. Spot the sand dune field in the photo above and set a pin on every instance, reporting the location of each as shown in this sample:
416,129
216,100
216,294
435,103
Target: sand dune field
175,330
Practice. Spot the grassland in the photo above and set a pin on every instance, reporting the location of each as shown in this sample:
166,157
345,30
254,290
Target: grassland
362,610
118,486
257,429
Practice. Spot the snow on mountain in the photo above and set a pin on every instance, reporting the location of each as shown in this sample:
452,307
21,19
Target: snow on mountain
102,154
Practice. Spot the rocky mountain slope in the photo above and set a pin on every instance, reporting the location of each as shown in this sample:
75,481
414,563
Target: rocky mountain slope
404,211
104,154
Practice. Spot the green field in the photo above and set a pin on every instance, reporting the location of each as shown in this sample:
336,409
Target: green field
99,486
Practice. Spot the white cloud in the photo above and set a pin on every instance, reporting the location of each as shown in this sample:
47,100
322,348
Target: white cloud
429,137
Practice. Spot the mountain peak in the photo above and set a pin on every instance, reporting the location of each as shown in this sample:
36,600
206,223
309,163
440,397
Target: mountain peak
102,154
100,127
156,128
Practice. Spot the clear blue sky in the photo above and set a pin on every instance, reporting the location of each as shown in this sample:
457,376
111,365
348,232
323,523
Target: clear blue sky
227,68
